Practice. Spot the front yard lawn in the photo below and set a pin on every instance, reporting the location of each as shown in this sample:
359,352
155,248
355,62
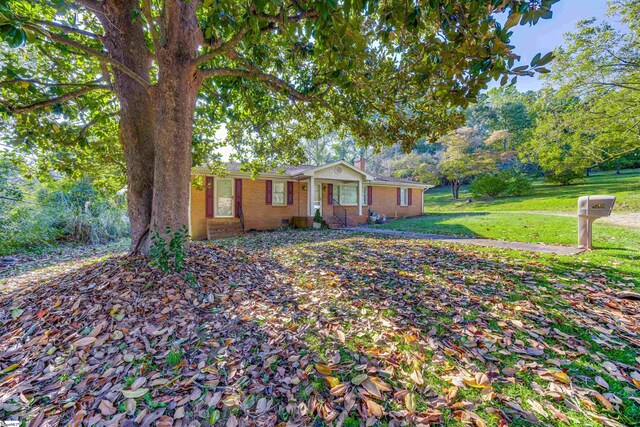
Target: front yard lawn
617,248
545,196
322,328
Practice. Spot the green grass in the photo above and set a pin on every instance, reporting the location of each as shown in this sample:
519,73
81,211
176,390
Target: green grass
617,248
547,197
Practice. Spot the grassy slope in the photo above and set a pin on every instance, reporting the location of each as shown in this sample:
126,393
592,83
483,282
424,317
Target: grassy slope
548,197
617,248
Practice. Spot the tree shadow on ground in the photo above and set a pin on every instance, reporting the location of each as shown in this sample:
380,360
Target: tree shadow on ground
436,223
306,328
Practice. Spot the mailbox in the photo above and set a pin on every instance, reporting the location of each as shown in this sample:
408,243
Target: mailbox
591,208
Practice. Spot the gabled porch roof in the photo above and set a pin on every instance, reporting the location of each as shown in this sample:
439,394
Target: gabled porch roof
337,170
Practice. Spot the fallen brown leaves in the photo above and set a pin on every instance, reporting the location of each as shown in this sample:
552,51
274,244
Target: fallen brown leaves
293,328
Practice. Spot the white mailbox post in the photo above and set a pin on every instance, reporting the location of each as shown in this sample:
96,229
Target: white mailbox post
591,208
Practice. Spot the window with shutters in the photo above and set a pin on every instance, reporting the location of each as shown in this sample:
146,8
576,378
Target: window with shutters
224,197
347,194
365,195
279,194
404,196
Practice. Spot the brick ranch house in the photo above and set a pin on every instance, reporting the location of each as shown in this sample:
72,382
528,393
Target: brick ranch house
344,194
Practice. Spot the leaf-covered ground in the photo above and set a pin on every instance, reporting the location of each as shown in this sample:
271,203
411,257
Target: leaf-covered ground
321,328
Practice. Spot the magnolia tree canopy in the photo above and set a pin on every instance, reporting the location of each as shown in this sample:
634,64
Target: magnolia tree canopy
169,73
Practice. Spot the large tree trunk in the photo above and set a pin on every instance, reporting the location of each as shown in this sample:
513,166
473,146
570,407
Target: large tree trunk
174,99
156,122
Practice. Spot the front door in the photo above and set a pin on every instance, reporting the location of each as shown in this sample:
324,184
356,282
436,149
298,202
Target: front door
317,198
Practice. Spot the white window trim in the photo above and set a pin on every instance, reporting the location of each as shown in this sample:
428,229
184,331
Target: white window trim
404,196
364,197
273,186
340,196
215,198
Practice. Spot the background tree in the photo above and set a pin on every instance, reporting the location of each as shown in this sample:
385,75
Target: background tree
417,167
592,116
465,157
390,72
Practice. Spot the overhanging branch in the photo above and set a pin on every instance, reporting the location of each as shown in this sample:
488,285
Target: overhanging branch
56,100
89,51
94,83
225,46
66,29
269,79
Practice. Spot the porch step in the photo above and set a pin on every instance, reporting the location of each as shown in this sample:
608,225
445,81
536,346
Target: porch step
218,228
334,223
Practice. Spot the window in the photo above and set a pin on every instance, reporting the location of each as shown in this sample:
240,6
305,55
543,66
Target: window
224,197
404,196
365,196
348,194
317,198
279,195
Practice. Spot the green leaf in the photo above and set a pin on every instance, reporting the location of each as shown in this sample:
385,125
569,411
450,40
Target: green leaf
535,59
545,59
513,20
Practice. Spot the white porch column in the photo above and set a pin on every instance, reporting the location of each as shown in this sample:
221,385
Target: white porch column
360,197
311,197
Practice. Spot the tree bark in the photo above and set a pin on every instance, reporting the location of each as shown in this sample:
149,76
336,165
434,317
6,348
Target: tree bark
125,41
455,187
174,98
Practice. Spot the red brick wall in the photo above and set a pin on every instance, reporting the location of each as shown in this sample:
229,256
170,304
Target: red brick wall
257,214
385,202
260,216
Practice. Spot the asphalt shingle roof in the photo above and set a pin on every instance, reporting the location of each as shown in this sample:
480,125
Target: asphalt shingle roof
297,170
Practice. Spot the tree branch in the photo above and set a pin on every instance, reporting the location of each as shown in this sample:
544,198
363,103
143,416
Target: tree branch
90,123
56,100
94,83
66,29
93,5
225,46
269,79
106,58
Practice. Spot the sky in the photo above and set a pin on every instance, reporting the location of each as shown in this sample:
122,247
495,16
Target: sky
548,34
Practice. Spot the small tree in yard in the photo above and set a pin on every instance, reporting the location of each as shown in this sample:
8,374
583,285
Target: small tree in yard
464,157
388,71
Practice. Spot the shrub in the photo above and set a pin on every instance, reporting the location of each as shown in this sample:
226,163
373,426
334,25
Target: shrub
506,183
65,210
490,186
168,254
563,177
518,185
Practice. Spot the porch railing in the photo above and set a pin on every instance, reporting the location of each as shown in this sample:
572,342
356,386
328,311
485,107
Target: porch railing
340,213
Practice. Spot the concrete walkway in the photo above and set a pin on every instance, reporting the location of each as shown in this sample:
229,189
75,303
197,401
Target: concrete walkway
531,247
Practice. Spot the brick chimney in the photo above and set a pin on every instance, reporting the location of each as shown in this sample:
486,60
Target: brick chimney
360,163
